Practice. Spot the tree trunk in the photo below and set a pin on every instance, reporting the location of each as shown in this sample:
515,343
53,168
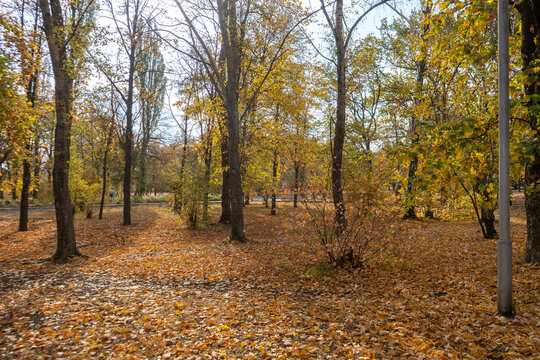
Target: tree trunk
128,141
66,246
231,48
207,164
37,167
103,188
225,217
296,183
105,158
488,219
530,52
142,183
237,208
53,25
532,207
410,196
340,221
26,180
274,184
178,196
31,92
104,177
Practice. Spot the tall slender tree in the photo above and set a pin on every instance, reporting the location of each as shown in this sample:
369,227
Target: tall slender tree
151,81
66,38
341,42
30,67
130,32
415,119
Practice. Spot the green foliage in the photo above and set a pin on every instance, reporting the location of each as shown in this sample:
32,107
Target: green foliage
321,270
189,193
83,195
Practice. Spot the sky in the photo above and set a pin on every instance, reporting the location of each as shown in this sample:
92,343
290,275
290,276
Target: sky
370,22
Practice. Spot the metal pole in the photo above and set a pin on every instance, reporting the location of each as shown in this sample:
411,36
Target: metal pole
504,244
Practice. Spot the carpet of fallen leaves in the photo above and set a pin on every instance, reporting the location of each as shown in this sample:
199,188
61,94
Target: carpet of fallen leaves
157,290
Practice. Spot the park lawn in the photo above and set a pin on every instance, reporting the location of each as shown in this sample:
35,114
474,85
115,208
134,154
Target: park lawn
159,290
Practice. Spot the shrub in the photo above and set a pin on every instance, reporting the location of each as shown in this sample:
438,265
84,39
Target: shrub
188,195
369,215
83,195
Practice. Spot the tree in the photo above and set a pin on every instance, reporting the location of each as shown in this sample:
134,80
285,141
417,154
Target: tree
130,33
530,53
416,118
66,38
341,42
97,137
231,48
177,186
151,82
30,67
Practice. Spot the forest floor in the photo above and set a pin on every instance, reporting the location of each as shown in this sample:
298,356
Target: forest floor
157,290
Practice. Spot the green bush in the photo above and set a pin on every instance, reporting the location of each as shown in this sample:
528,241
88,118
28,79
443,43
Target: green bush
83,195
188,195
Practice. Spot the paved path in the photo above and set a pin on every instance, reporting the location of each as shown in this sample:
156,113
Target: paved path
15,209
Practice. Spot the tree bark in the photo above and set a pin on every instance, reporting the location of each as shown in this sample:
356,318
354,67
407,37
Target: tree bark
530,53
231,47
66,246
178,196
128,140
53,23
340,221
31,92
103,188
410,198
207,170
488,219
274,183
26,180
37,167
296,182
142,186
274,164
104,173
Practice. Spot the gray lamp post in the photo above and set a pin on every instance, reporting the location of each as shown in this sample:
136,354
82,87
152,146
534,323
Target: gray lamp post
504,244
